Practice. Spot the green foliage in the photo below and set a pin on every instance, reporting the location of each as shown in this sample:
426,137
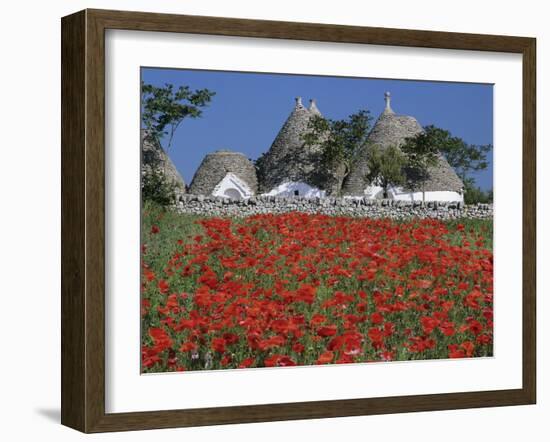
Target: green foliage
260,168
342,141
156,188
163,108
173,226
422,153
474,195
385,167
463,157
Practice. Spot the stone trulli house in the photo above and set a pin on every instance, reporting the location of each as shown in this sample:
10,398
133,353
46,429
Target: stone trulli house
289,168
442,184
153,158
227,174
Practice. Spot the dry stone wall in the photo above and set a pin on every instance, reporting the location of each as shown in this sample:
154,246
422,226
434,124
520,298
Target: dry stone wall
222,207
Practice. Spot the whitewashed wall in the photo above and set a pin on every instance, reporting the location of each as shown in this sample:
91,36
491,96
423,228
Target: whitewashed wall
231,186
303,189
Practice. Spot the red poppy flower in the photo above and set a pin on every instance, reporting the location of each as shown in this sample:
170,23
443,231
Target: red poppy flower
475,327
325,357
160,338
279,361
245,363
329,330
188,346
376,336
317,319
468,348
218,344
484,339
149,275
447,328
428,324
163,286
376,318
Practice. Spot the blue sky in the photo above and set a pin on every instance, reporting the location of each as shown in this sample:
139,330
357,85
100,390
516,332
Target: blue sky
248,109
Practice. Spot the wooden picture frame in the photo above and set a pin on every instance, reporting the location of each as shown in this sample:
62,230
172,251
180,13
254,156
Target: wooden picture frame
83,220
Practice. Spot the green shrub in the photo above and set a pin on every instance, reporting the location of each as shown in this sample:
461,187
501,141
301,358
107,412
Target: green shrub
474,195
155,187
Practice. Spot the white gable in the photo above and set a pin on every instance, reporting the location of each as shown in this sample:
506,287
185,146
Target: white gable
231,186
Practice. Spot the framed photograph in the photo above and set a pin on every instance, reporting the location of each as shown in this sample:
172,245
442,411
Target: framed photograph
267,221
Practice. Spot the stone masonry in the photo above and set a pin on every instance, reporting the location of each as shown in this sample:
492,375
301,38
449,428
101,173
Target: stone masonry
153,158
289,159
225,207
392,129
216,165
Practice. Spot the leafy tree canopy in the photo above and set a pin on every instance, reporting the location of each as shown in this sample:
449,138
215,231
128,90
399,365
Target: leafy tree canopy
164,108
464,158
422,153
386,167
341,141
157,188
473,194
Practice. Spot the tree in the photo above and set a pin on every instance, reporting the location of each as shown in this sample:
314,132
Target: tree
164,109
473,194
463,157
157,188
422,152
386,167
341,141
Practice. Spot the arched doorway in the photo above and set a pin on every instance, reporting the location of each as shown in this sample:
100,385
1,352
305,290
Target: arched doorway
234,194
231,186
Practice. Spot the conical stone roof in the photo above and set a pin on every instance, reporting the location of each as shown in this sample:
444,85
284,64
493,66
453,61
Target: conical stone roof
392,129
288,159
153,157
216,165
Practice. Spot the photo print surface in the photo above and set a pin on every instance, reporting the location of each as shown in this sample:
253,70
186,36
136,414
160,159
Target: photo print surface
293,220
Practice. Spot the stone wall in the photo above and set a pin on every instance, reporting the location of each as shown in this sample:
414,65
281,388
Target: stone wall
216,206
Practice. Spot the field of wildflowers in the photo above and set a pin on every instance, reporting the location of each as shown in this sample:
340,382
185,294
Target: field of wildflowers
298,289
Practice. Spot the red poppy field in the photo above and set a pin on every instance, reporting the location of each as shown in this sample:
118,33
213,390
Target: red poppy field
298,289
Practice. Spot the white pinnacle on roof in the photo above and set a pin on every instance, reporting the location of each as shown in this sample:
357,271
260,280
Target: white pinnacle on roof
387,99
392,129
289,159
313,107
